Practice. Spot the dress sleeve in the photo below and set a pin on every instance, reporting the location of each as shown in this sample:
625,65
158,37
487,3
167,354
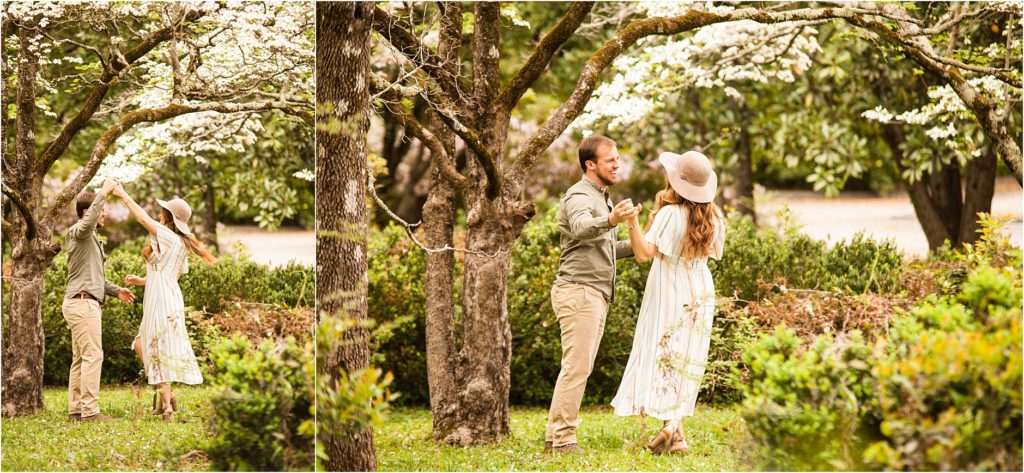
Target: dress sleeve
718,245
166,239
664,232
184,265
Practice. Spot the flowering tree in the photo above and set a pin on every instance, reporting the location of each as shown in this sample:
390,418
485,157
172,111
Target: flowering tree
82,76
824,126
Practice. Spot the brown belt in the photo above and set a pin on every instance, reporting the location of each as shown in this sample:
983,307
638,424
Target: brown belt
84,295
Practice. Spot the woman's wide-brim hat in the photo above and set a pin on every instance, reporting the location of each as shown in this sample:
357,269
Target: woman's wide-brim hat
180,212
690,175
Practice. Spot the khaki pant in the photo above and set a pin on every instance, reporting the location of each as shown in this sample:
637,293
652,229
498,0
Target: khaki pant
83,317
581,312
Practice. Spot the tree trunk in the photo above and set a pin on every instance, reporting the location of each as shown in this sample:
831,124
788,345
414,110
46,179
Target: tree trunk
210,209
928,214
342,54
443,363
25,344
978,192
744,172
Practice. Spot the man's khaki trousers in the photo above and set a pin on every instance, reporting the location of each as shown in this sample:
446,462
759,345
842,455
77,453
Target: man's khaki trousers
581,311
83,317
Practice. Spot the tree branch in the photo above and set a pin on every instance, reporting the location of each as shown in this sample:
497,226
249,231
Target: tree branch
541,57
445,162
110,76
26,214
420,55
127,121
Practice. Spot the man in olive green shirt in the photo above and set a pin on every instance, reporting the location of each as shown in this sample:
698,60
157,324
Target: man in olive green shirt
86,290
585,284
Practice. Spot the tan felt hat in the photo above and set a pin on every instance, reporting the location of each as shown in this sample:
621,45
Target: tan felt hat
690,175
181,212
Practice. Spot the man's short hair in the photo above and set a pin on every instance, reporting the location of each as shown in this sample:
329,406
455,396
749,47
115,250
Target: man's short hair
84,202
589,147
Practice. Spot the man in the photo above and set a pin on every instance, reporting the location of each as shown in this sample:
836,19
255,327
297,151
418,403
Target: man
86,291
585,283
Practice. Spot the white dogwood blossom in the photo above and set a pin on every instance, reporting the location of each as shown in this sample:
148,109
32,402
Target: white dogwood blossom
239,52
715,56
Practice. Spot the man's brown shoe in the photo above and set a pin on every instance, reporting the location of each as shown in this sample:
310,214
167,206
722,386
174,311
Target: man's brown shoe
100,417
547,447
74,417
567,448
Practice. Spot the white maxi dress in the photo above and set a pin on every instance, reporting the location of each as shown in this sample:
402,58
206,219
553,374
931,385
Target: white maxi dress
673,332
166,349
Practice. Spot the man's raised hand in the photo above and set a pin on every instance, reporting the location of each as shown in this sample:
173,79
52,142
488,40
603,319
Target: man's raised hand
108,185
621,212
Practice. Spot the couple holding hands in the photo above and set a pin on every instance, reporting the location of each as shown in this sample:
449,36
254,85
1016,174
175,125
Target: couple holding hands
673,333
162,343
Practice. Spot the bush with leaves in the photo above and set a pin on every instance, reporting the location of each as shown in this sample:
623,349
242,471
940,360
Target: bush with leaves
950,397
262,406
941,392
804,404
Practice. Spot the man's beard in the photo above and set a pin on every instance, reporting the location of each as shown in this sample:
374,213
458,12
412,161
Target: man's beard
604,181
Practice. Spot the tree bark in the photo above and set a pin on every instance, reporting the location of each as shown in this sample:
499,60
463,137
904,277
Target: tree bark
443,361
928,214
978,191
209,209
744,172
342,54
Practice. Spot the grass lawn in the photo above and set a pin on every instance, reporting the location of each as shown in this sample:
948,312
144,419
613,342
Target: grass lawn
717,438
139,441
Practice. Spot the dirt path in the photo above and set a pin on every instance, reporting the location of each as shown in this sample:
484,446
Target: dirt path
272,248
880,217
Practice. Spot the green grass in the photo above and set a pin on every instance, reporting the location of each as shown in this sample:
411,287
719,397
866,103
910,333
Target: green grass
139,441
717,436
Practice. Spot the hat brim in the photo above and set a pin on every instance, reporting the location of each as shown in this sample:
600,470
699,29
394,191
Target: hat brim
687,190
182,226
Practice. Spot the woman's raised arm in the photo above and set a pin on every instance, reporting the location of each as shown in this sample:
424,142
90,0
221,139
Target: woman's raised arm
137,211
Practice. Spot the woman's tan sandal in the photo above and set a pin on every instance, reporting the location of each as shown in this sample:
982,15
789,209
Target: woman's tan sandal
660,442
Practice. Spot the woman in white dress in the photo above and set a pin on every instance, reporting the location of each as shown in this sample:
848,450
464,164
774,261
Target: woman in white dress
162,343
673,333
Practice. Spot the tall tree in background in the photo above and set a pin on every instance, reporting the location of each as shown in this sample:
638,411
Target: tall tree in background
342,55
469,384
143,63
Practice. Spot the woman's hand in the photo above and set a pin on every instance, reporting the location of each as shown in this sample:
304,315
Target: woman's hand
119,190
133,280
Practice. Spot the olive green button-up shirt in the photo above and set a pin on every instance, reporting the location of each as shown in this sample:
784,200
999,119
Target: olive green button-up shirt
86,256
589,243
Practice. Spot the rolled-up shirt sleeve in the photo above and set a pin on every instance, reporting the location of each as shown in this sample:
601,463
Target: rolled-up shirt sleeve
110,288
583,225
87,225
623,249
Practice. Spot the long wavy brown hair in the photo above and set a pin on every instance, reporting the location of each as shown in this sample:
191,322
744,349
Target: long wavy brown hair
190,241
700,224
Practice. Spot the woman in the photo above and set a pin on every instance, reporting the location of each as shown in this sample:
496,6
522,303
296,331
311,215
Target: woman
673,330
162,343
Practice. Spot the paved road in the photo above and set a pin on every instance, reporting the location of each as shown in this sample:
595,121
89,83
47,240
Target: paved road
881,217
273,248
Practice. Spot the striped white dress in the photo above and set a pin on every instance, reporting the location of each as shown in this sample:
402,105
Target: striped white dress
673,332
166,349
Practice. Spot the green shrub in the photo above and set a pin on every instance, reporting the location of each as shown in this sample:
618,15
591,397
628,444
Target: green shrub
804,405
397,305
756,258
951,398
204,286
262,406
944,391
